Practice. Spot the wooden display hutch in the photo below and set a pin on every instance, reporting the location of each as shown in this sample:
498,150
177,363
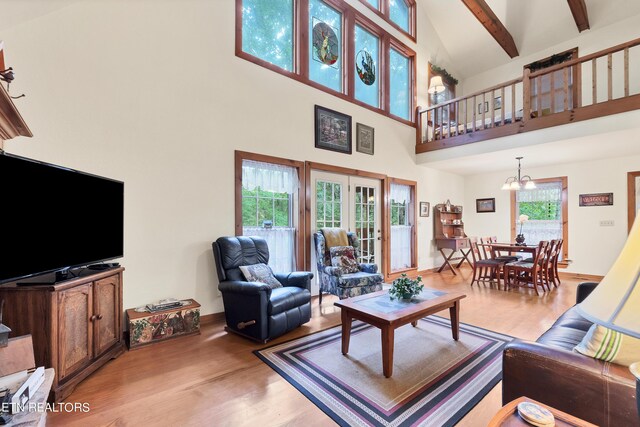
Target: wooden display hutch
449,234
76,324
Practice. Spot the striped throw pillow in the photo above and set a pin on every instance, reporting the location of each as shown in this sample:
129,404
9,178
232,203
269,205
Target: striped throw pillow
610,346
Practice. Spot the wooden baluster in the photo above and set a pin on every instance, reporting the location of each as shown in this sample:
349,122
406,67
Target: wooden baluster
565,89
539,95
609,77
502,106
457,118
493,108
466,114
513,103
578,85
626,72
526,93
552,85
484,111
473,125
594,81
449,119
442,131
418,126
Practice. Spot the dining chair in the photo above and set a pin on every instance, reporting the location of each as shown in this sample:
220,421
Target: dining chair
493,254
526,273
556,248
485,270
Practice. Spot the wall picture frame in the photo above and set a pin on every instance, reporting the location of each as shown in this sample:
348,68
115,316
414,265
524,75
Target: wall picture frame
497,103
425,208
485,205
332,130
486,107
364,138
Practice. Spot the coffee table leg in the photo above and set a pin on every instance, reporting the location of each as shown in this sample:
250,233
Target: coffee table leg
387,350
454,313
346,330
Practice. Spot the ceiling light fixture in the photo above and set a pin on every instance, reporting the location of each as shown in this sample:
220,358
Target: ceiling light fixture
518,182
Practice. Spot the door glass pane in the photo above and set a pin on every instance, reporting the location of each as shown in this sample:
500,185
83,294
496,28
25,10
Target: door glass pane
366,64
399,14
400,86
328,204
267,31
325,45
365,222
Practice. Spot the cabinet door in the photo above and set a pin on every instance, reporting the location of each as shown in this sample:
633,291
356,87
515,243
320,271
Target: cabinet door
75,329
107,310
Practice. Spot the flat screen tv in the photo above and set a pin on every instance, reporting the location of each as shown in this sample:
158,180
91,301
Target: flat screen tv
54,218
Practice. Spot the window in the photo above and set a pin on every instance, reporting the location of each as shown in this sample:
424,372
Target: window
402,217
367,57
332,47
401,14
328,204
267,205
399,84
325,45
546,207
267,31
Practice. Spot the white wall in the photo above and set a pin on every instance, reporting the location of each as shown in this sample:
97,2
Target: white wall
591,247
150,92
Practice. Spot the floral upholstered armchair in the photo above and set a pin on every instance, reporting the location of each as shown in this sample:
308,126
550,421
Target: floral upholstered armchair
334,280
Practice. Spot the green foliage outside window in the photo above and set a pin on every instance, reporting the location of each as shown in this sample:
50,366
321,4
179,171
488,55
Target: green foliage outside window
267,31
398,213
541,211
259,206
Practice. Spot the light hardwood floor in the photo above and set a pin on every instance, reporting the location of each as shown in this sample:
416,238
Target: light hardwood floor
215,379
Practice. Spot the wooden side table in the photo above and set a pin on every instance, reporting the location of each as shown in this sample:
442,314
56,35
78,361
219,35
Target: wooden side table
508,416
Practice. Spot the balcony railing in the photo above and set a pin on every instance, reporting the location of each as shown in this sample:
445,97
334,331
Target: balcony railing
583,88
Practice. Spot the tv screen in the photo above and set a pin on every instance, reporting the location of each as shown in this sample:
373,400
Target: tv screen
52,218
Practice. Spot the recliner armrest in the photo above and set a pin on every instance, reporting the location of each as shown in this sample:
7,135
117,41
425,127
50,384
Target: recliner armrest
584,289
369,268
247,288
299,279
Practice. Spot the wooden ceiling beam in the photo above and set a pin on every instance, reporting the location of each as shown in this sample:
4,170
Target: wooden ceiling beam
490,21
579,12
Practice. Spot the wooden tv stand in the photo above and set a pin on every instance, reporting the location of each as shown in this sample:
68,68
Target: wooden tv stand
76,325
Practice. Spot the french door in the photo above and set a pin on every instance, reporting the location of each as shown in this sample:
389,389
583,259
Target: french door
352,203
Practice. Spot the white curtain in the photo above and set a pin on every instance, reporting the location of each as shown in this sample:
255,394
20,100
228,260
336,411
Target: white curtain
537,230
401,234
281,240
269,177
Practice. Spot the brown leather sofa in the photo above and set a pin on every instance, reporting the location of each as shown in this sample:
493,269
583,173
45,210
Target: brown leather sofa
550,372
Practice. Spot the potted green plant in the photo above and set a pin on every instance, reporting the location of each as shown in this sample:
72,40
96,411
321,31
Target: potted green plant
405,288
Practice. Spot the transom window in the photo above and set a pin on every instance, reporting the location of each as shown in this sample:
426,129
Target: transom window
332,47
399,13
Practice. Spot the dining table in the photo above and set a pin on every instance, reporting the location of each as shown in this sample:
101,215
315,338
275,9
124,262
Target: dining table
511,248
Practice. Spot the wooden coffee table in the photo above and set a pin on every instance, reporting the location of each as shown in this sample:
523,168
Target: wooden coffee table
378,310
508,416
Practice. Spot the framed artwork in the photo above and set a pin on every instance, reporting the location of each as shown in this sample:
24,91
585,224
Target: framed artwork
597,199
497,103
486,107
333,130
364,138
485,205
425,207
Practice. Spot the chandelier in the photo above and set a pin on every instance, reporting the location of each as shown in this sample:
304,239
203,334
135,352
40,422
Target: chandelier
518,182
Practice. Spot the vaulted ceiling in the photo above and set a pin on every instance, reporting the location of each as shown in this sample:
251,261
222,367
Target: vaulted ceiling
534,25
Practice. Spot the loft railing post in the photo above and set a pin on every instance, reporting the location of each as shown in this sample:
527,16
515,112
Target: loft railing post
526,93
418,126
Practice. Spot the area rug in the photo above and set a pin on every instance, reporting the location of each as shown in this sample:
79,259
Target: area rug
435,381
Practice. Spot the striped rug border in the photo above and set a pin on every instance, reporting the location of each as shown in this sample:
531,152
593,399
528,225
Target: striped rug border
372,415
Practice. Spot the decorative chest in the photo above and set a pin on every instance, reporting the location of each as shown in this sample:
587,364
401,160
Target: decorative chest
147,328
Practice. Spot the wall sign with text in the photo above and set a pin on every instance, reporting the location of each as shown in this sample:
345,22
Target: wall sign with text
597,199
